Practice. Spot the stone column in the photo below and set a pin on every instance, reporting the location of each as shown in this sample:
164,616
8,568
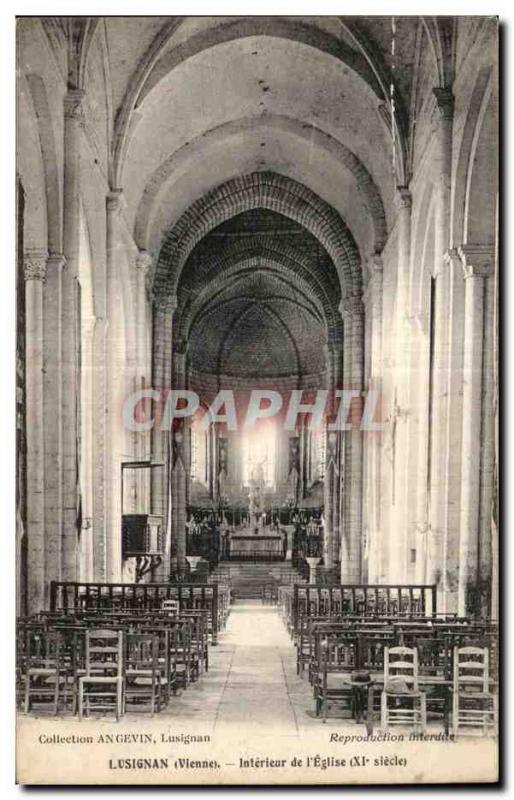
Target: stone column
337,358
454,281
211,437
143,267
371,511
477,433
442,120
163,311
332,483
52,393
353,368
34,273
100,450
179,469
330,465
115,435
488,433
302,454
398,523
73,118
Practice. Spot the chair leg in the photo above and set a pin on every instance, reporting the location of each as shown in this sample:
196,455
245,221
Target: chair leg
383,711
455,715
56,694
81,698
423,710
495,713
27,693
119,700
370,712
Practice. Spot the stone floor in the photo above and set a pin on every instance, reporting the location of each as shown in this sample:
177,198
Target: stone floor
252,676
249,720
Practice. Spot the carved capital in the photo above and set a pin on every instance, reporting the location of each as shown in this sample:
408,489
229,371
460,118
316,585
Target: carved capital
180,348
351,307
444,102
34,265
56,261
165,304
403,197
114,200
477,260
334,346
74,104
442,107
375,264
144,262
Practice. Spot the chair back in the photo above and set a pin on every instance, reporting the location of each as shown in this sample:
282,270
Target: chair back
401,663
371,648
104,652
335,649
433,656
142,651
471,669
43,648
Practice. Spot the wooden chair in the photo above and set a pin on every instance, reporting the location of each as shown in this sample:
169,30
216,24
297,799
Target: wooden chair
474,705
434,671
180,651
401,700
338,660
146,678
43,666
101,688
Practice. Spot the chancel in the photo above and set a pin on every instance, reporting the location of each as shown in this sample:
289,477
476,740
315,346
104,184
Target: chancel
257,388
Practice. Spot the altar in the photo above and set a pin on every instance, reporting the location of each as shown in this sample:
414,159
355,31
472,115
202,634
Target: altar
257,547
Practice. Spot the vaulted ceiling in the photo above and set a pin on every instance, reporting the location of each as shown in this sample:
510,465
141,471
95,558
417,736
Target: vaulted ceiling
201,100
259,159
256,299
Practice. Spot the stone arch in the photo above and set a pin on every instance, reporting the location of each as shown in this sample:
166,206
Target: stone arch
259,190
441,33
478,103
362,58
367,189
275,27
31,171
482,179
153,69
50,163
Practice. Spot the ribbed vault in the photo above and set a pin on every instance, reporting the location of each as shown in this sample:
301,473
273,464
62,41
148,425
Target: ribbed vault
266,191
223,260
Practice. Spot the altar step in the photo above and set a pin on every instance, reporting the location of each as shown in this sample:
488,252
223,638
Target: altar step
247,579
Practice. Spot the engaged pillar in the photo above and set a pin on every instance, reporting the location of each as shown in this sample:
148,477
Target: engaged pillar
477,433
35,273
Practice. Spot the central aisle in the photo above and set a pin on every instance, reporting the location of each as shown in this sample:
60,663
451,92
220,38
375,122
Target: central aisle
251,680
256,688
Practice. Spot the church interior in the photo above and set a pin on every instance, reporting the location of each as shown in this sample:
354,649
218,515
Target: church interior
294,205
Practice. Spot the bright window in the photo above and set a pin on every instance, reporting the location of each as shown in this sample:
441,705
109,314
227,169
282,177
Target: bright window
259,454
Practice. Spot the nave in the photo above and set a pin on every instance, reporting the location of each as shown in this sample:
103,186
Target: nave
257,374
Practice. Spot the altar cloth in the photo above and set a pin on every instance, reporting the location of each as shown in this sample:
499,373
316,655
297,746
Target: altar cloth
256,546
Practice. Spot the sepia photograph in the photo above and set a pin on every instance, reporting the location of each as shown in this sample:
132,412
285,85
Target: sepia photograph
257,400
